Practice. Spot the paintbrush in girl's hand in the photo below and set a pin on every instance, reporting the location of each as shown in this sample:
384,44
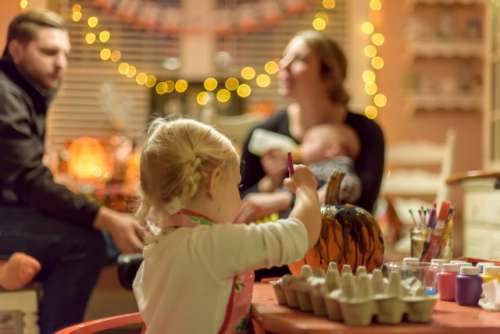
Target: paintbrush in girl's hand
290,165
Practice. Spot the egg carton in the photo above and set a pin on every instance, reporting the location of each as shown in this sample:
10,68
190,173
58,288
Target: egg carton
354,299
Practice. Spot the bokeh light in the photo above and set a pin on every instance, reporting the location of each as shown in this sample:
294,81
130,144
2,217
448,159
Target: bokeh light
210,84
244,90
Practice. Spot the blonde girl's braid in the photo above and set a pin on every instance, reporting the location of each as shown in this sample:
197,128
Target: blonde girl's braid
192,178
143,210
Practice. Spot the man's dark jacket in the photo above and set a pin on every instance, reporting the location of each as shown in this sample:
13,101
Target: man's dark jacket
24,180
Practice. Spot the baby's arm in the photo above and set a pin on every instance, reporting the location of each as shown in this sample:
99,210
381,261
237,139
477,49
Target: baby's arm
18,271
267,184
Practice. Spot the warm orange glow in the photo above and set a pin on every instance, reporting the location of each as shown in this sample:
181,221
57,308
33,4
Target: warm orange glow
87,159
133,163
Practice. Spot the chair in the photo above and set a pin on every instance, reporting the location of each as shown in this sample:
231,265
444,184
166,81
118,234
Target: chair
98,325
415,176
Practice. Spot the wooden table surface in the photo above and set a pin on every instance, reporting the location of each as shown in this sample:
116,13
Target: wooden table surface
447,317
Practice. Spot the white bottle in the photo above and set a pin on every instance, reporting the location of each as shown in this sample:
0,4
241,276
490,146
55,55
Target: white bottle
264,140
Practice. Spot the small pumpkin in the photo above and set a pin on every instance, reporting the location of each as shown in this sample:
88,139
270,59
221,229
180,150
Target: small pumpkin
349,235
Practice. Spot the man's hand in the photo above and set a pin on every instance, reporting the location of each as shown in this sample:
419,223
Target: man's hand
126,232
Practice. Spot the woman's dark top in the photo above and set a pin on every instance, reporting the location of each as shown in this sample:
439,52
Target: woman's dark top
369,165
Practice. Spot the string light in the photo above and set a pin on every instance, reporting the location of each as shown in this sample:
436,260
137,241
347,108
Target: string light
141,78
263,80
370,51
149,80
321,19
76,16
380,100
93,21
181,86
105,54
244,90
271,67
132,70
116,55
104,36
170,85
371,88
369,76
248,73
377,63
90,38
328,4
367,28
371,112
223,95
319,24
123,68
23,4
322,15
232,83
202,98
161,88
375,5
378,39
210,84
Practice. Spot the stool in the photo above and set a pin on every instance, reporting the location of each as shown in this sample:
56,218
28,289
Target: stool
19,311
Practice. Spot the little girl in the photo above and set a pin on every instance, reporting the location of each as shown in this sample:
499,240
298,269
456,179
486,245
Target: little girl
197,274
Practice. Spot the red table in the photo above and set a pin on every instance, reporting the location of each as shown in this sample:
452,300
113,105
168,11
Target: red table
269,317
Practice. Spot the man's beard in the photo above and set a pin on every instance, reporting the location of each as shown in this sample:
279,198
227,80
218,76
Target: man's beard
48,92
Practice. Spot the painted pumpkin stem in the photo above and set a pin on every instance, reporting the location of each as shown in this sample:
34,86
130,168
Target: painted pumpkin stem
333,189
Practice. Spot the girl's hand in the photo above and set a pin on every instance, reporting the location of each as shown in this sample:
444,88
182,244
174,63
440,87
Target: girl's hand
302,179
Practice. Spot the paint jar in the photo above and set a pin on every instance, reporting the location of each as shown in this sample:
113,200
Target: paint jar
491,273
461,262
446,281
435,268
468,286
407,260
481,266
413,272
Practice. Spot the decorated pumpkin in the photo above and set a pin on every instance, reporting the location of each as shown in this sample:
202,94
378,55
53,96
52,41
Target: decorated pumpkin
349,235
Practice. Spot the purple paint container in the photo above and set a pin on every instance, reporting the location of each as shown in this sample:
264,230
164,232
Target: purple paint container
468,286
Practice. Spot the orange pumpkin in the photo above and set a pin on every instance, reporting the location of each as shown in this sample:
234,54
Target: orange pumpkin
349,235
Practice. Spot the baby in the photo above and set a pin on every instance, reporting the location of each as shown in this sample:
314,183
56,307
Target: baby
18,271
326,148
197,273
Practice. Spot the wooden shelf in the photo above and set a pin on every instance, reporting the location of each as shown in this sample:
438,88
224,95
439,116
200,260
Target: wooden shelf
447,49
472,175
461,102
446,2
